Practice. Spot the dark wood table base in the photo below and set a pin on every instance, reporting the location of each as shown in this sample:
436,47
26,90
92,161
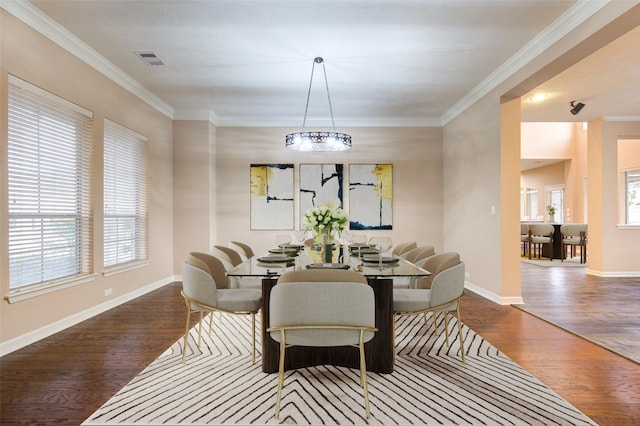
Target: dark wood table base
378,351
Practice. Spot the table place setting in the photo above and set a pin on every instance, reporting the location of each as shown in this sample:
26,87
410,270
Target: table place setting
328,266
274,261
380,259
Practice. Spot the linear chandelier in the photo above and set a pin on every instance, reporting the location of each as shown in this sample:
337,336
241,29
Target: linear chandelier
318,141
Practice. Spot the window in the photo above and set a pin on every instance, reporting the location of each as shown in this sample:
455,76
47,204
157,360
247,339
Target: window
555,197
528,204
125,196
49,189
632,196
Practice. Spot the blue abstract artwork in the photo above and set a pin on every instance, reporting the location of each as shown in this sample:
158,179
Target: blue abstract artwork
271,193
370,196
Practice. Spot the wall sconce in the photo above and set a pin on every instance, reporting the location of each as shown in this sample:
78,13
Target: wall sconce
575,107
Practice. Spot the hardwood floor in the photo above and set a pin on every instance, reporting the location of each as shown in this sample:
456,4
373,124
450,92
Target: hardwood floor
604,310
66,377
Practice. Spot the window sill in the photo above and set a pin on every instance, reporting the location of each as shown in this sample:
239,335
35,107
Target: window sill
30,292
129,266
626,226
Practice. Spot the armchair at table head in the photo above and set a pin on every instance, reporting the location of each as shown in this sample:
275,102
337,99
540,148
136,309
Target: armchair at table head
322,308
322,275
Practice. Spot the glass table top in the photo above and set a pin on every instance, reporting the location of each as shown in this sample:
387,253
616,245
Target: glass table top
272,264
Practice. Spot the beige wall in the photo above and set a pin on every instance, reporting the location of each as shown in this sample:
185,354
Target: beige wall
31,57
471,189
416,155
628,153
613,250
578,213
547,141
194,198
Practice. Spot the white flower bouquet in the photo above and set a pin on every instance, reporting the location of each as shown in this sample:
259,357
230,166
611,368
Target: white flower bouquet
325,219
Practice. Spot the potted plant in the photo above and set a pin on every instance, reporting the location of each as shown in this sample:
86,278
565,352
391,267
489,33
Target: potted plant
551,209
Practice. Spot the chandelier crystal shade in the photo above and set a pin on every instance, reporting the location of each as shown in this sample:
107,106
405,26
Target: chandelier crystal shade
318,141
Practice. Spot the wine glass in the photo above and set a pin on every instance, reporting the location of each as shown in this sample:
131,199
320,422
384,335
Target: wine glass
348,235
383,244
359,240
300,235
282,240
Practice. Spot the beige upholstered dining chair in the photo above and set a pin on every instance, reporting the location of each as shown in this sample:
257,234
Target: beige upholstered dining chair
574,235
402,248
231,258
436,264
525,238
322,308
444,295
416,256
540,234
245,251
204,288
419,253
228,256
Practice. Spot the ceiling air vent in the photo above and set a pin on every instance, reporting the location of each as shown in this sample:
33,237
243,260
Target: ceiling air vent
150,59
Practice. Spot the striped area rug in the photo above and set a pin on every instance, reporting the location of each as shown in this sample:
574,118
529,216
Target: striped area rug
430,385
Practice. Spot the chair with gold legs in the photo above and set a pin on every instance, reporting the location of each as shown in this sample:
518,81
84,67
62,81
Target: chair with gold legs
322,309
204,288
444,295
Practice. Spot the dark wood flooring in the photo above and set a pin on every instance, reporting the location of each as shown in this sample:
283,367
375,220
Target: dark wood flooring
604,310
66,377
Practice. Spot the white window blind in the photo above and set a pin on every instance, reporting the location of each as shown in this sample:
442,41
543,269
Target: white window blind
49,188
125,195
632,192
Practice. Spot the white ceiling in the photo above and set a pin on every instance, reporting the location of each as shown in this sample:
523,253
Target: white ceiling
389,63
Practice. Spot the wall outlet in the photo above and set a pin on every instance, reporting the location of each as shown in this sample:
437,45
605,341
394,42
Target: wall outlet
466,275
108,292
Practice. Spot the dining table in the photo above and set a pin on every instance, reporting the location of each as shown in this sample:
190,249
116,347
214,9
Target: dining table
380,273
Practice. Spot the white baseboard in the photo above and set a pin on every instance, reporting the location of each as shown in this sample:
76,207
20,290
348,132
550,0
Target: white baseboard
492,296
625,274
51,329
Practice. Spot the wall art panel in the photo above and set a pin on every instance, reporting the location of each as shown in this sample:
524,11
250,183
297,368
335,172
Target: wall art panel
271,190
370,196
320,184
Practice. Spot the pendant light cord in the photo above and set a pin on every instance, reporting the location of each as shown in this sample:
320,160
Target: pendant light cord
318,60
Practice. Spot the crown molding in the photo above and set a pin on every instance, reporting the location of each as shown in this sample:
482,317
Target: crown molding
562,26
32,16
621,118
209,115
344,122
196,115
